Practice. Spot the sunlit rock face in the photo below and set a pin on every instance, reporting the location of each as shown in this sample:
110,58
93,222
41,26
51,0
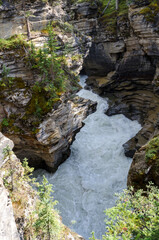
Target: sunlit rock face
12,17
41,13
8,229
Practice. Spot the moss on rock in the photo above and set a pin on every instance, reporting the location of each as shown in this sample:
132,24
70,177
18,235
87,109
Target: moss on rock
16,41
152,151
151,11
111,15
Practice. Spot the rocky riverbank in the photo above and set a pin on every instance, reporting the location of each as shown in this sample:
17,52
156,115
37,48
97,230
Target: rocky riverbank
123,62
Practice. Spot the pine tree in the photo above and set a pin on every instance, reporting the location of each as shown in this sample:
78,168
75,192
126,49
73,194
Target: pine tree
47,224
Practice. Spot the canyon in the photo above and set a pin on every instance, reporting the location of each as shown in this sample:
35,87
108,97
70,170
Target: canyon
118,52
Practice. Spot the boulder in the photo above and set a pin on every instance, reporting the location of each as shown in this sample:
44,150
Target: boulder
145,166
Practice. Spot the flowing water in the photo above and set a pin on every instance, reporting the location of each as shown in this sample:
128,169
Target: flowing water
97,168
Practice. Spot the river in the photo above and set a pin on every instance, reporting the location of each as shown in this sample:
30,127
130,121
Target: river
97,168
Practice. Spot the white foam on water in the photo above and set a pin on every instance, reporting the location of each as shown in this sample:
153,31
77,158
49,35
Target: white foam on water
97,168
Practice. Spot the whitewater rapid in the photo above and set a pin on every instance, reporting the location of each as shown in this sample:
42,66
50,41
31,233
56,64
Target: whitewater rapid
97,168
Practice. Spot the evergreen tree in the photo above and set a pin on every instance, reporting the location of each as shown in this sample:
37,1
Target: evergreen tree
47,224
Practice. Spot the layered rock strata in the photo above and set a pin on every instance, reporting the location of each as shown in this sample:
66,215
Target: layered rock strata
51,144
123,64
44,140
15,16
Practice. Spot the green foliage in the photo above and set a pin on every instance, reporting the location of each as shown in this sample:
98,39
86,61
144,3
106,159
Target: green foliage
6,151
43,221
136,216
52,83
111,14
27,171
5,122
8,177
150,12
67,27
152,150
47,224
8,124
5,71
9,171
6,81
13,42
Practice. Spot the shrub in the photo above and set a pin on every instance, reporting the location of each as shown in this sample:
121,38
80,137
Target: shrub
52,84
14,42
136,216
151,11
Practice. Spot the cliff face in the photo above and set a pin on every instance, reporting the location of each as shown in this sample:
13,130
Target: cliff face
8,229
123,62
40,132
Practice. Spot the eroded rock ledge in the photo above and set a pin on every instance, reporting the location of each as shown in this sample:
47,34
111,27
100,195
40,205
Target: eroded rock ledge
44,140
51,145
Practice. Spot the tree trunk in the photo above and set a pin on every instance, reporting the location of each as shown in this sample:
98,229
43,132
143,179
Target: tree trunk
49,235
106,7
117,5
52,70
28,27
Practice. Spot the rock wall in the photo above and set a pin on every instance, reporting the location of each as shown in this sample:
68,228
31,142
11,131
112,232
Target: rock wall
14,16
123,64
8,229
45,141
50,146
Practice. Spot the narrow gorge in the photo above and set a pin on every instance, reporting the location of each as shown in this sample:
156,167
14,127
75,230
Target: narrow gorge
79,85
85,185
